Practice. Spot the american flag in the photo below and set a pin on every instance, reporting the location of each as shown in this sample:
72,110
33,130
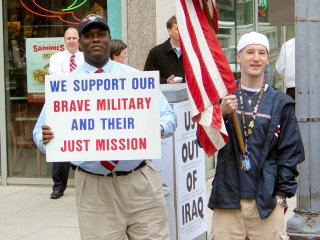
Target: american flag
208,74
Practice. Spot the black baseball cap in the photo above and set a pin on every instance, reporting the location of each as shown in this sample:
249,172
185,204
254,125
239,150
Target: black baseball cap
93,19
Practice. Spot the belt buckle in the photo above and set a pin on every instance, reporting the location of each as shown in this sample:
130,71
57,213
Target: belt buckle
123,173
119,173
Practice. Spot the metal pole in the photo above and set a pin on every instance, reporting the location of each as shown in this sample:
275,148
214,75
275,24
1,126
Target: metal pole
283,40
3,130
305,224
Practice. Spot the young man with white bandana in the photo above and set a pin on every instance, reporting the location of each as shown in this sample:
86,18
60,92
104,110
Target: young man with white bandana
249,190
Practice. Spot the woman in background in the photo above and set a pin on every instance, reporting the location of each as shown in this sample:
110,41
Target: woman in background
118,50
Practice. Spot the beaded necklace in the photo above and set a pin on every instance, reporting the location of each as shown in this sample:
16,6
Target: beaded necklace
245,163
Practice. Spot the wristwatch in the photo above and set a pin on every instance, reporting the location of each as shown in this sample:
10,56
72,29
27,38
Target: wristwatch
282,202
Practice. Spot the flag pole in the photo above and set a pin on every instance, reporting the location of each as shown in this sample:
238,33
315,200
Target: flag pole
238,132
234,114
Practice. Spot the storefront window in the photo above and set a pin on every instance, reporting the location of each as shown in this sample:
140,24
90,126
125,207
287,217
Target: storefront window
235,18
44,23
245,21
276,21
273,18
271,32
226,11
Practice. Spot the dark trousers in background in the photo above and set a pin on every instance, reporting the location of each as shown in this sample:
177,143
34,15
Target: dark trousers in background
60,174
291,92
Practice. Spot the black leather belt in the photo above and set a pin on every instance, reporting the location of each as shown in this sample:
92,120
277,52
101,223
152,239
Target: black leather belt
114,173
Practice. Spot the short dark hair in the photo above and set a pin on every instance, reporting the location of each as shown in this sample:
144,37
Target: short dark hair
171,21
116,47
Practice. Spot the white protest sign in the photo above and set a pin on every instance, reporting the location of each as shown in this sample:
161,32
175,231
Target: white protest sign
190,177
103,116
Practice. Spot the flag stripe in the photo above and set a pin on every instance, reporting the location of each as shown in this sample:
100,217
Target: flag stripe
214,77
212,12
205,40
193,88
217,56
216,117
211,141
214,15
205,141
191,66
208,73
209,87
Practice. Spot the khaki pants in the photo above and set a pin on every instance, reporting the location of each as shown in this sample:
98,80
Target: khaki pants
235,224
112,207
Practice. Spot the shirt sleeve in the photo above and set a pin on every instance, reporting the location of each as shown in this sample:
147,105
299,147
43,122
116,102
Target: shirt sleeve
54,65
168,118
37,131
281,62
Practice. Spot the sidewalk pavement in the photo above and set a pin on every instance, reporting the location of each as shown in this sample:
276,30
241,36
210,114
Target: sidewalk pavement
28,213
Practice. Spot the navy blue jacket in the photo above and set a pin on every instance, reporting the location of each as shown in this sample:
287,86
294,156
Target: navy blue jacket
281,152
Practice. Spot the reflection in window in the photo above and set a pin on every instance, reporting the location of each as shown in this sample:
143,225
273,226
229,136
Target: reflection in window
276,21
33,19
235,19
226,35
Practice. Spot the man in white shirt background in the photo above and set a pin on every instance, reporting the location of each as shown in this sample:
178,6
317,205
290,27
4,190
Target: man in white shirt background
286,66
64,63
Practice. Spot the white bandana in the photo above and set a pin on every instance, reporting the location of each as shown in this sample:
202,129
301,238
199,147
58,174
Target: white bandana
252,38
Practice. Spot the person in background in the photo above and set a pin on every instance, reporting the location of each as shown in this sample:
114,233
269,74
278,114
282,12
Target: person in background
167,57
64,63
118,50
285,66
249,190
114,198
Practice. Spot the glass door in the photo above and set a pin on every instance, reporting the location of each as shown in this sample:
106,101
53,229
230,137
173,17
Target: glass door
33,32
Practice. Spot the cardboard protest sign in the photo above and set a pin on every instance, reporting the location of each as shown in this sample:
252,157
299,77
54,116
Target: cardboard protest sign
103,116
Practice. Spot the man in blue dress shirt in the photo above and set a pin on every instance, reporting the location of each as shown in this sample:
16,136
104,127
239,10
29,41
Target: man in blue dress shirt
127,200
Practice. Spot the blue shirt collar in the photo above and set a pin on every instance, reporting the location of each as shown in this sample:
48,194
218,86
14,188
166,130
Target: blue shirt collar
177,50
91,69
